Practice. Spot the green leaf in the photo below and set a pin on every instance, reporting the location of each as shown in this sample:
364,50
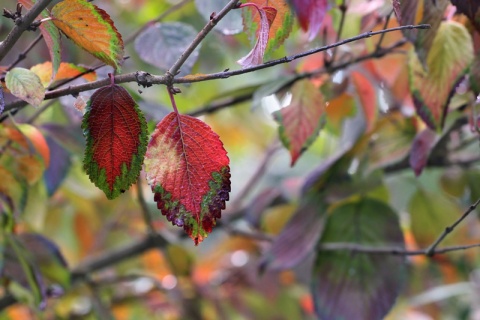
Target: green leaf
448,60
26,85
349,285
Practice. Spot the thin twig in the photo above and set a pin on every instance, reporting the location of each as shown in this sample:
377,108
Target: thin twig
343,10
385,26
162,16
431,250
200,36
25,52
21,26
354,247
161,79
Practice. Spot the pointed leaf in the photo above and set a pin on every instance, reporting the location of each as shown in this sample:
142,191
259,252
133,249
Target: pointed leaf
447,62
255,56
90,28
65,71
188,170
26,85
301,121
51,36
310,14
422,145
116,133
162,43
349,285
280,27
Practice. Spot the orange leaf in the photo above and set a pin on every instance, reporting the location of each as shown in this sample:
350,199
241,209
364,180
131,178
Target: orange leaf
367,95
66,71
91,28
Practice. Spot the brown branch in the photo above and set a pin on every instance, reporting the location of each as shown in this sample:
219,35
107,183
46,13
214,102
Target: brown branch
161,79
21,25
23,55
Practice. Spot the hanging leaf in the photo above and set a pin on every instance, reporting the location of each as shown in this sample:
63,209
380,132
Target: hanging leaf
65,71
301,121
422,146
310,14
90,28
162,43
51,36
26,85
116,133
447,62
280,27
349,285
187,167
255,56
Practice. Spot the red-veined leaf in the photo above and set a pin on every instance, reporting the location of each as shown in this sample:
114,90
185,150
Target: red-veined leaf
91,28
448,60
279,29
116,133
368,98
255,56
65,71
188,170
422,145
310,14
26,85
301,121
350,285
51,36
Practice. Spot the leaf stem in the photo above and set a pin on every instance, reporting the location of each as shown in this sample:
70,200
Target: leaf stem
171,93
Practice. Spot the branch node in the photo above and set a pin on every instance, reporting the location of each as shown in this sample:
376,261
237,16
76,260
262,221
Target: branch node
144,79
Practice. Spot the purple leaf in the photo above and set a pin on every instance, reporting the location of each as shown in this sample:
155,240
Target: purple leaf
421,148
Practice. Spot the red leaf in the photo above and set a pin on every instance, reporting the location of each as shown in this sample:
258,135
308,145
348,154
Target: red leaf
368,98
255,57
421,147
310,15
188,170
301,121
116,133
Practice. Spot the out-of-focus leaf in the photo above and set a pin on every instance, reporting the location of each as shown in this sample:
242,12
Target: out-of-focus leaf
418,12
51,36
187,167
279,29
67,136
301,121
454,181
90,28
55,174
26,85
19,267
231,24
162,43
448,60
422,145
181,261
337,111
269,88
391,140
116,133
13,192
349,285
368,98
65,71
260,203
430,214
310,14
255,56
47,256
470,9
474,75
2,100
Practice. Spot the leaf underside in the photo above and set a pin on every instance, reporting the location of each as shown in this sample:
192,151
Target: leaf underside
188,169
